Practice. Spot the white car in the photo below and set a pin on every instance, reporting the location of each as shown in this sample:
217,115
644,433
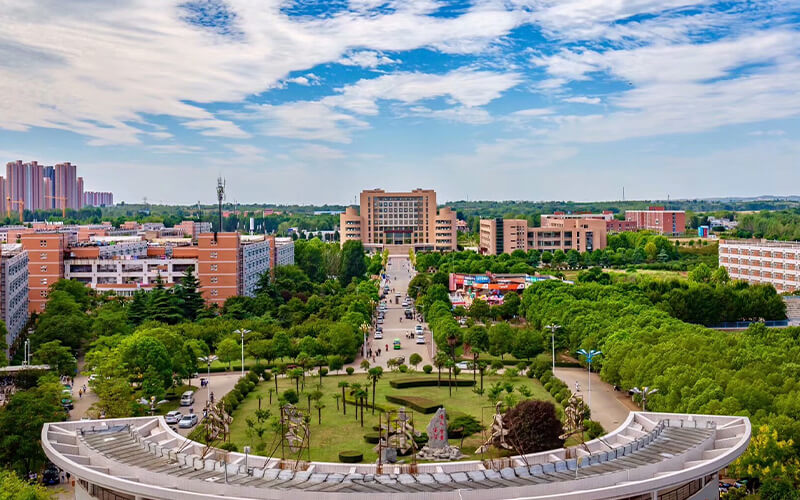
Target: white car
173,417
462,365
420,339
188,421
378,335
418,329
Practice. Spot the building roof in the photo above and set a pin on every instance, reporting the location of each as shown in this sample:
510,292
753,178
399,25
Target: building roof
649,451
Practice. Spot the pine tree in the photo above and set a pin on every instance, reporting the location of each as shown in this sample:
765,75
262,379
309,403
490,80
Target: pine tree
191,300
137,308
163,305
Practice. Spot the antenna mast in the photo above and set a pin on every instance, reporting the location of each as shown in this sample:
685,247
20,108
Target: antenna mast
220,197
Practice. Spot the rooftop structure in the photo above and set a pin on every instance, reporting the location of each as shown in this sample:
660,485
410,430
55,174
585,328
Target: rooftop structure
649,454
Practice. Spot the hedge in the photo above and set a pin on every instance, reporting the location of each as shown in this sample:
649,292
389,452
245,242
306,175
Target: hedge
350,457
368,405
420,404
372,437
405,383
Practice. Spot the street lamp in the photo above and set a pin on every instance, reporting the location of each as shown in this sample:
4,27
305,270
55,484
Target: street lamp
589,355
553,327
242,332
208,360
644,392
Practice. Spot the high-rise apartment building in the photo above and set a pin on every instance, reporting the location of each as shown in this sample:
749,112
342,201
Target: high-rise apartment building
98,199
659,220
45,265
762,261
402,219
499,236
67,186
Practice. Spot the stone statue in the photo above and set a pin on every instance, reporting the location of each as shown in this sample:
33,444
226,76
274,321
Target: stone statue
498,432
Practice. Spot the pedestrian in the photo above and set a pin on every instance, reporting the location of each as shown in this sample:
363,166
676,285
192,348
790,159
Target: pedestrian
80,393
387,347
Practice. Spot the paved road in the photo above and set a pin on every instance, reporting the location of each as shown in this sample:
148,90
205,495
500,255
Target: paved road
395,324
609,407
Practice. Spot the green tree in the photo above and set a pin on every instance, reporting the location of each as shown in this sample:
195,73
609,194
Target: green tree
700,274
414,359
189,297
21,422
143,354
501,339
59,358
720,276
228,350
14,488
137,308
162,305
79,292
63,319
353,264
479,310
528,343
110,319
373,375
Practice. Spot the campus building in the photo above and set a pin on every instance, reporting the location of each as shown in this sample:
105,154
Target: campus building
402,219
762,261
13,290
45,265
499,235
664,456
659,220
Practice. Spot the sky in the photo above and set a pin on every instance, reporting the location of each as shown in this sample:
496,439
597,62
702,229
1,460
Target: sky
311,101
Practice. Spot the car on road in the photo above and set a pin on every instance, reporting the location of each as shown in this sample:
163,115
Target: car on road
418,329
462,365
66,402
380,321
420,339
173,417
396,344
187,398
51,475
378,335
188,421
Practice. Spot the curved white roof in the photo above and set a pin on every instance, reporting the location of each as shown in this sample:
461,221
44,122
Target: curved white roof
649,451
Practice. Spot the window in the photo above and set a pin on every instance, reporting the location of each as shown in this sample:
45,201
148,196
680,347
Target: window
214,292
42,293
213,255
43,281
43,243
43,269
43,256
214,279
213,267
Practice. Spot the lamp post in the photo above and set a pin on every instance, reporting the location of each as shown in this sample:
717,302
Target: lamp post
242,332
644,392
589,355
208,360
553,327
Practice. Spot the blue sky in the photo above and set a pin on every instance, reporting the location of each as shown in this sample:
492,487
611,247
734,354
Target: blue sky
310,101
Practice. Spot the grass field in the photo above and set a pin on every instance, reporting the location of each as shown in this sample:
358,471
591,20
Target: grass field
340,432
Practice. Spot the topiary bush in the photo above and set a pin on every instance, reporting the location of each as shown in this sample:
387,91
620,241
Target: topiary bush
403,369
254,377
593,429
323,371
290,396
546,376
427,369
229,447
420,404
497,364
462,426
372,437
547,386
350,457
350,370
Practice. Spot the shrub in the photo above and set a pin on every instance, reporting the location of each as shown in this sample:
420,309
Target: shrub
541,364
323,371
405,383
534,426
254,377
350,370
427,369
372,437
420,404
403,369
593,429
235,394
228,447
258,370
497,364
546,376
563,396
290,396
350,457
463,425
547,386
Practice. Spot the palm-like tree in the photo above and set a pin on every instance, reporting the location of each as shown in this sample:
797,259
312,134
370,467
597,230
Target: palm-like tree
440,361
355,391
344,385
373,375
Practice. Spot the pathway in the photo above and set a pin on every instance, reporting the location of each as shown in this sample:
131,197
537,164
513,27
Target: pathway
609,407
395,324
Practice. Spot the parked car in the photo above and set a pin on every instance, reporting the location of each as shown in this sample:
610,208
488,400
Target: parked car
380,321
66,402
173,417
462,365
187,398
418,329
378,335
420,339
188,421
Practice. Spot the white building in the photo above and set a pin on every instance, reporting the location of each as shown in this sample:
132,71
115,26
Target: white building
255,262
284,252
13,290
762,261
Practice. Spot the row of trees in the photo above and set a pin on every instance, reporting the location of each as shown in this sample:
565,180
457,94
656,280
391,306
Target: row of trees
696,370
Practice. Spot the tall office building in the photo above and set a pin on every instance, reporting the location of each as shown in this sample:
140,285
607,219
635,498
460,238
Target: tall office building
408,219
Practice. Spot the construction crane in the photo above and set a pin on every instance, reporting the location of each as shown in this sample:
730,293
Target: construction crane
19,203
63,200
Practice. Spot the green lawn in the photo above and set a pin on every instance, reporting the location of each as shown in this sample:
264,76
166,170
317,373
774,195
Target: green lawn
339,432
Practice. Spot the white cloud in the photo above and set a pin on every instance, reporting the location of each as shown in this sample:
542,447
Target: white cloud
769,133
366,59
305,120
583,100
318,152
217,128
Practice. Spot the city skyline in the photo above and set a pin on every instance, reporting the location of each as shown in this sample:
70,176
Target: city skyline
310,102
